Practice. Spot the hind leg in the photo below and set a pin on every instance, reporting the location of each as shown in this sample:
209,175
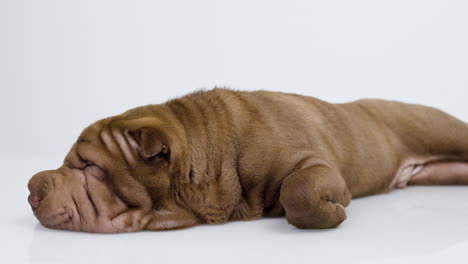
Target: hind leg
315,197
439,144
442,173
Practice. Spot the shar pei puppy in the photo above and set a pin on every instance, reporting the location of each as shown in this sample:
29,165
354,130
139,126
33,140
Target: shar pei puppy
221,155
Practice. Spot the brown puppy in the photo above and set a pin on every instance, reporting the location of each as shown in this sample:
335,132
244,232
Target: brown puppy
222,155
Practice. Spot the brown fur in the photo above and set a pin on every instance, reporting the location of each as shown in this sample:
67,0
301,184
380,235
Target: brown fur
221,155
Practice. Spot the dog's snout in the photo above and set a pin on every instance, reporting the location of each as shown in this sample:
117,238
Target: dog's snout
39,186
33,200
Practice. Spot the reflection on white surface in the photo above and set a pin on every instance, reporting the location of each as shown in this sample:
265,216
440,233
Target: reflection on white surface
415,225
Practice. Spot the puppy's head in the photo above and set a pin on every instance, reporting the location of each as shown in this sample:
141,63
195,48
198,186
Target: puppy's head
83,194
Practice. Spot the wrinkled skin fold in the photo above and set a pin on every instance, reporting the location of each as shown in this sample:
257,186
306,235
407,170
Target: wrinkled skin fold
220,155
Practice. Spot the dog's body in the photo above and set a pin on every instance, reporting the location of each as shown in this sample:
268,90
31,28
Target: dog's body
221,155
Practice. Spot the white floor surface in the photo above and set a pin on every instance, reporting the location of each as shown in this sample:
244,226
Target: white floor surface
414,225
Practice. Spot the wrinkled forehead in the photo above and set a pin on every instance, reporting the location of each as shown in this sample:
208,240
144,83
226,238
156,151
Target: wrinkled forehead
125,121
93,130
72,159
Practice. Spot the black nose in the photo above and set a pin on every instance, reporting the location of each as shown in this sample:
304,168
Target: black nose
33,201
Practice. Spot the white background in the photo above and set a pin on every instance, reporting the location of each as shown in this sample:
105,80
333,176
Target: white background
65,64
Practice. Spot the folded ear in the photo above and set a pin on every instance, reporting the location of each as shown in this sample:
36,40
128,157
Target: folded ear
151,142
